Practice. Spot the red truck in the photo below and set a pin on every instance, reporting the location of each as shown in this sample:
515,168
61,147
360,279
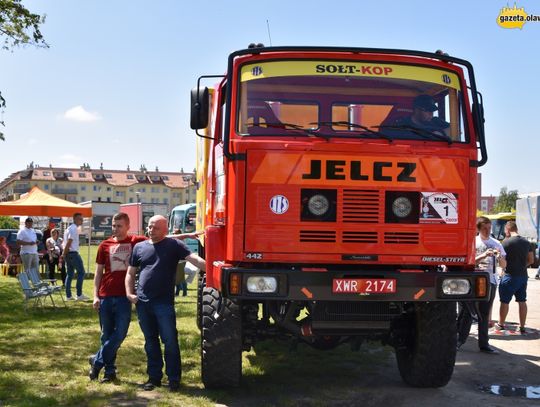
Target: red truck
139,214
339,204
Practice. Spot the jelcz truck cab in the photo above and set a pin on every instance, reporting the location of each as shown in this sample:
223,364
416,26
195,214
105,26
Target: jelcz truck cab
331,213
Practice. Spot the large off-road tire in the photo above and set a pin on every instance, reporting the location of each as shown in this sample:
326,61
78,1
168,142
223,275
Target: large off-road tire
221,340
427,356
201,283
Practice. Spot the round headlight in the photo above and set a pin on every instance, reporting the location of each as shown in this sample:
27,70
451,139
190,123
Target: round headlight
402,207
318,205
456,286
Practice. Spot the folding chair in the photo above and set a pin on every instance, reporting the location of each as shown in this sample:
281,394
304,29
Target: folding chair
10,269
33,293
50,284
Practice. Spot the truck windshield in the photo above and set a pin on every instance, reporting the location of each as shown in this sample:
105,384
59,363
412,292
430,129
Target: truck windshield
350,100
182,221
176,222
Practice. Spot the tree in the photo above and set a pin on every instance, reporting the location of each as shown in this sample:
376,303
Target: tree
7,222
506,202
18,26
2,106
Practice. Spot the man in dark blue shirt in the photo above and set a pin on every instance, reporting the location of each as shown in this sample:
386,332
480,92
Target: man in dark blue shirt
156,259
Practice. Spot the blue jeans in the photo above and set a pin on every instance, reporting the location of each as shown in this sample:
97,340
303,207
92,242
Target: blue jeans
182,286
114,319
465,320
158,320
30,261
74,262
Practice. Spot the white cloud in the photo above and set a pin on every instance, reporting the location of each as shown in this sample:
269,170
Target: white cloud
80,114
32,141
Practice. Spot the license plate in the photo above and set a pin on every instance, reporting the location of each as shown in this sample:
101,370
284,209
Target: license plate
364,285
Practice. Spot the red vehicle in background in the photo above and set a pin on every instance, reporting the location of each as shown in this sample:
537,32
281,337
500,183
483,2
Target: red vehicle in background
140,213
330,214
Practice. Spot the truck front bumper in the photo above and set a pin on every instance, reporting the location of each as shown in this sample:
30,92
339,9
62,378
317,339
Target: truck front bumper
321,286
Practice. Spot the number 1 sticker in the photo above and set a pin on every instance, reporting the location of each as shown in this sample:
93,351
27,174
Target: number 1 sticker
439,207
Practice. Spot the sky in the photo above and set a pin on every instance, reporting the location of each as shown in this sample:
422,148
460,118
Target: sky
113,87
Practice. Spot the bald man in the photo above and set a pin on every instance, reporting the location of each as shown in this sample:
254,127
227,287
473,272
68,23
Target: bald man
156,259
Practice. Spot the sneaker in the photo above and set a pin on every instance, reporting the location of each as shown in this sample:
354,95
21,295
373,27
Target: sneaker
82,297
151,384
523,331
70,299
109,378
93,374
490,350
174,387
500,327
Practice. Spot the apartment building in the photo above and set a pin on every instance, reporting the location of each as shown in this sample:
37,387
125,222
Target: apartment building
88,184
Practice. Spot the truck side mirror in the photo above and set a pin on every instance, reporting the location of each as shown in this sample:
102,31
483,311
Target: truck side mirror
199,108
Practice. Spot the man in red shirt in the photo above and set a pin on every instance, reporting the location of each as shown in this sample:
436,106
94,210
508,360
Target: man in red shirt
110,299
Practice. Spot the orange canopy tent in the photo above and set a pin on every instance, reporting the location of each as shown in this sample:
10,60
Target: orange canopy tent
39,203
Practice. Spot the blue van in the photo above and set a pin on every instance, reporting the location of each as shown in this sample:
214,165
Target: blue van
183,219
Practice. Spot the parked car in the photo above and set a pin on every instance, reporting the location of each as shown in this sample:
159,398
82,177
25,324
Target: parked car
11,241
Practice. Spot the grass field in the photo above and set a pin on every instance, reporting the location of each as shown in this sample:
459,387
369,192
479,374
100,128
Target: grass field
44,352
89,261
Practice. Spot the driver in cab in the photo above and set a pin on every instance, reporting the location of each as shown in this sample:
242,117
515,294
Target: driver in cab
422,118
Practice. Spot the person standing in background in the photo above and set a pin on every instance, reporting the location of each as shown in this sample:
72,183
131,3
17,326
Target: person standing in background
27,241
54,251
72,258
519,256
489,253
4,251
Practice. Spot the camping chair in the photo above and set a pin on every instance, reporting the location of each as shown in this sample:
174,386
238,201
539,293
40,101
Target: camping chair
33,293
50,284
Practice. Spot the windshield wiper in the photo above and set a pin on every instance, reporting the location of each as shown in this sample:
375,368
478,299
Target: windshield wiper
355,126
426,134
293,126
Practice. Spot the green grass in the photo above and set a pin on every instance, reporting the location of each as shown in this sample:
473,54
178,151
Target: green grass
44,352
89,262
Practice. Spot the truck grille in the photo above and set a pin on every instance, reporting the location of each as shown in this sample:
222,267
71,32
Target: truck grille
355,311
318,236
359,237
360,206
401,238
